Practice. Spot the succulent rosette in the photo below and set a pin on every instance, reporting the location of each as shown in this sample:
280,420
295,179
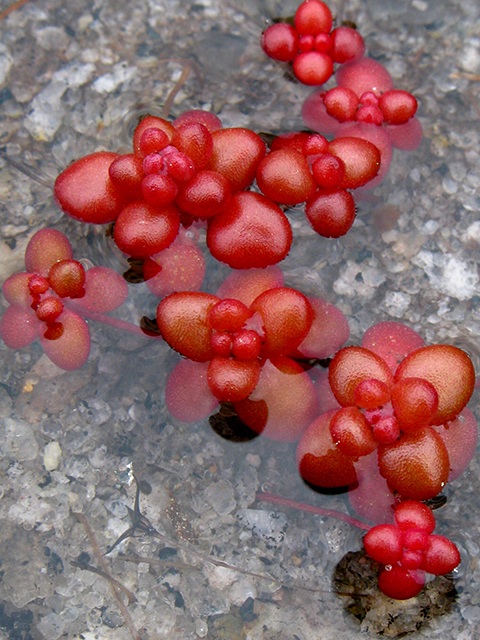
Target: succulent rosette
401,420
191,171
365,91
401,134
365,104
408,550
307,168
242,347
47,300
311,45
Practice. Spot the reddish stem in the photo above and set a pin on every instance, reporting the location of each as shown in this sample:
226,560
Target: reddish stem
12,7
270,497
123,325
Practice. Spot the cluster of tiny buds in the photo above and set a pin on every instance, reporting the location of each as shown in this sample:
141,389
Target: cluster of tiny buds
67,279
236,331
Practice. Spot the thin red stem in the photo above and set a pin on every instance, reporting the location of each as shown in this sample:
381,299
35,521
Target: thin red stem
123,325
270,497
12,7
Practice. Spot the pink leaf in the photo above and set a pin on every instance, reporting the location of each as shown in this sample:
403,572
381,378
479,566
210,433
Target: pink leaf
71,350
46,247
182,268
19,327
187,393
460,438
392,341
329,330
105,290
406,137
247,285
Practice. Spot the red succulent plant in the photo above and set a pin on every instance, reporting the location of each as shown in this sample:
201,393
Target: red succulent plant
408,550
243,344
404,404
365,104
311,45
390,420
47,301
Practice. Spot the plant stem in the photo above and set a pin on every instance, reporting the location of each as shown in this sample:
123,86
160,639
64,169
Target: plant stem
270,497
111,580
123,325
12,7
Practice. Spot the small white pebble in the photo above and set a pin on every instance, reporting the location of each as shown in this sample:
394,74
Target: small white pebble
420,5
201,628
52,455
450,186
84,22
254,460
473,232
430,227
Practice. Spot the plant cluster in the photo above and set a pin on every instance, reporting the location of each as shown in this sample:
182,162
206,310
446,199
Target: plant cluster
401,428
243,346
408,550
389,420
49,299
193,173
365,104
311,45
397,413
